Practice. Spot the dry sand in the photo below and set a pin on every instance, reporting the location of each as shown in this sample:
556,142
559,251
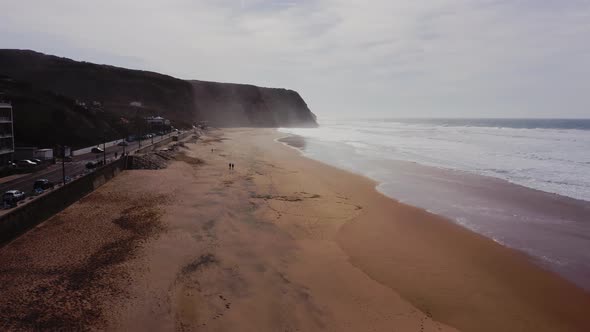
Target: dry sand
281,243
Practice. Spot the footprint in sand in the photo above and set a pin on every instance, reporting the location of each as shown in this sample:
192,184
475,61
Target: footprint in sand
227,304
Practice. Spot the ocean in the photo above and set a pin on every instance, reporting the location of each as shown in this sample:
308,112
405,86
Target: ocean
525,183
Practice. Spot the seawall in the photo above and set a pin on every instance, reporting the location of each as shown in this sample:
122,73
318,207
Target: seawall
27,216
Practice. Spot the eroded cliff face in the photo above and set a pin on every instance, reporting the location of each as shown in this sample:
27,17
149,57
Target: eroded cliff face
183,102
235,105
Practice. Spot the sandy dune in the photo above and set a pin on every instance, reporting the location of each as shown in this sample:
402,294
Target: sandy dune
281,243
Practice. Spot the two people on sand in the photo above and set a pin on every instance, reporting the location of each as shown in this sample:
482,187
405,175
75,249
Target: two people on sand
231,166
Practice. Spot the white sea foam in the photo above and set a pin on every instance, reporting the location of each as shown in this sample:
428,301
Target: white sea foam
548,227
551,160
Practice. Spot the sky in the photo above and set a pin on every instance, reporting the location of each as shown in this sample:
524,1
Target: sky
347,58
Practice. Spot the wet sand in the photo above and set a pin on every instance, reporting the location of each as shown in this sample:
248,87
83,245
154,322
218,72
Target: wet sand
554,230
281,243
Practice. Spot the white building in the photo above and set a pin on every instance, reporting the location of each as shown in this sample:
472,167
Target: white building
157,121
6,134
44,154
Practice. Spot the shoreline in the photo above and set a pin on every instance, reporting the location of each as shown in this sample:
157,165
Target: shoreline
298,141
524,277
526,200
281,242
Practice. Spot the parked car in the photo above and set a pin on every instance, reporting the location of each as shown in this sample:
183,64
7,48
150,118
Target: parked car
123,143
12,197
42,184
92,164
25,163
97,150
36,161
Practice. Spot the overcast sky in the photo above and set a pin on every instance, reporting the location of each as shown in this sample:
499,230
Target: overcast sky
385,58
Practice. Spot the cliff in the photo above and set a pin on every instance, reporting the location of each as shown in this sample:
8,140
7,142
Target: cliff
226,104
183,102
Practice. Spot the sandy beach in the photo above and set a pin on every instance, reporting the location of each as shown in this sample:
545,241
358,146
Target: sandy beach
280,243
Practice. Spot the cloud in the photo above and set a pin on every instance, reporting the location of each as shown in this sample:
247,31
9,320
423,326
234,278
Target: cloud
384,58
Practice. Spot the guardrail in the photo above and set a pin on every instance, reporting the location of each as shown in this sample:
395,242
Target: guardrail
89,149
164,141
113,143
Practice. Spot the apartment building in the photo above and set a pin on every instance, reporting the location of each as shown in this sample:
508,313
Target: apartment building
6,133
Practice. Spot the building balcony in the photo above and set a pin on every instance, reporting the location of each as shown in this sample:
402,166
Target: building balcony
4,150
5,120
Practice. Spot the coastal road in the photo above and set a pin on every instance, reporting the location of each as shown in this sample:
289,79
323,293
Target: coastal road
74,168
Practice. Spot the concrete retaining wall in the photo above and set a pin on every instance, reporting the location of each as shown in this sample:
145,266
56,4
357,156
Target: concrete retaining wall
27,216
24,217
152,147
